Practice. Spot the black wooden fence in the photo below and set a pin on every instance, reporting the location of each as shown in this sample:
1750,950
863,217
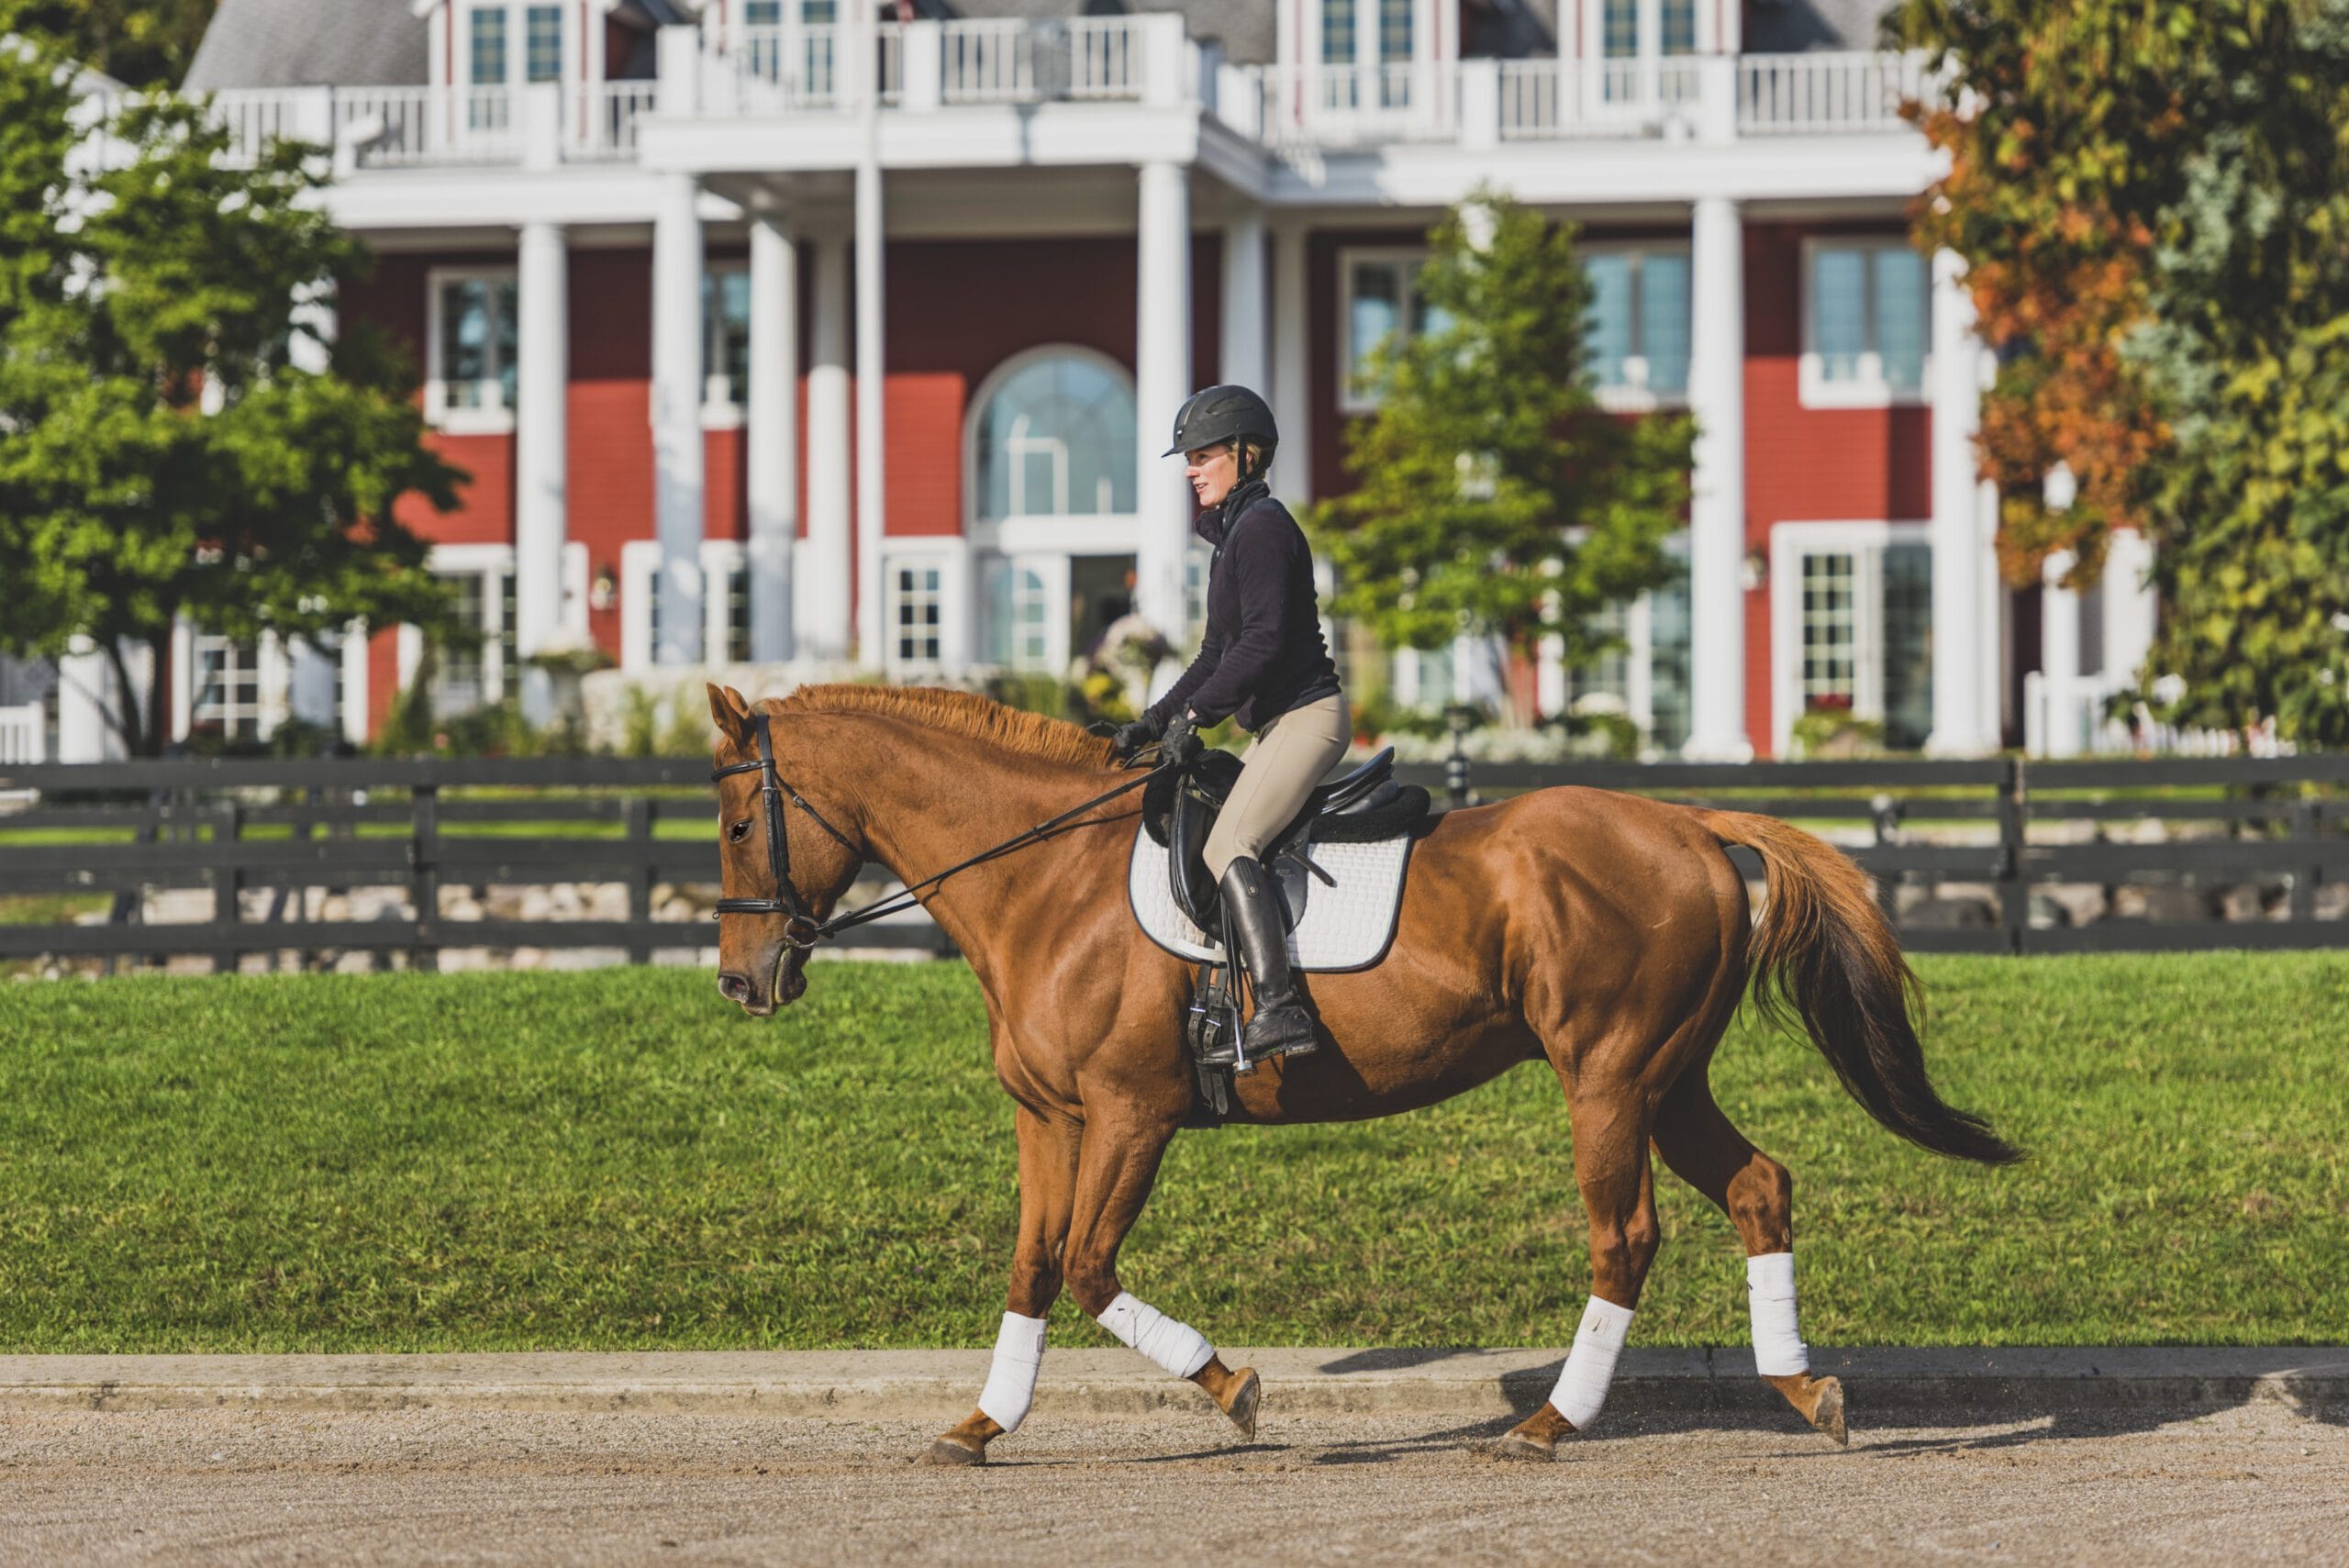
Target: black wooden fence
2267,835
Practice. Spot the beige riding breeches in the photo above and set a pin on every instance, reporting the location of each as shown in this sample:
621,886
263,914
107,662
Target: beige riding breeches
1279,769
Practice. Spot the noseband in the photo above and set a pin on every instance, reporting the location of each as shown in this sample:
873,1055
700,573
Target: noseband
800,930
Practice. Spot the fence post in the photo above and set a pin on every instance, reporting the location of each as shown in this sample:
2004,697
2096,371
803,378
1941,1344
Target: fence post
1887,813
2014,893
424,874
2305,875
1455,771
227,880
637,812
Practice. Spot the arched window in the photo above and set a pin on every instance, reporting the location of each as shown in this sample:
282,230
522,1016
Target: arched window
1055,436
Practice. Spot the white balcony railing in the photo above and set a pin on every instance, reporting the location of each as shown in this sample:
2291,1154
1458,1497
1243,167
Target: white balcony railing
1006,60
1349,105
392,127
1812,95
615,110
1550,99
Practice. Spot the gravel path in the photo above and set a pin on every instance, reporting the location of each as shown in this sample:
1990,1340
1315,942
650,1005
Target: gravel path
2264,1482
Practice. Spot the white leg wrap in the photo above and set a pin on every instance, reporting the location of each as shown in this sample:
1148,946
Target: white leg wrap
1011,1380
1779,1350
1590,1365
1175,1347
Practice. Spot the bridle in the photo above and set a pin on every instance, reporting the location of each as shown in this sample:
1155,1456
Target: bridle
785,901
802,929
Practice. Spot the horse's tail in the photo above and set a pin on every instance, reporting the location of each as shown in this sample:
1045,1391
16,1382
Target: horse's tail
1823,950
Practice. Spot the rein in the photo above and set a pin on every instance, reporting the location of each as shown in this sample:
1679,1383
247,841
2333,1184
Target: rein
801,930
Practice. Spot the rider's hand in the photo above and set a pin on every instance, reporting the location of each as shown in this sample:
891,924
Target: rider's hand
1132,737
1181,742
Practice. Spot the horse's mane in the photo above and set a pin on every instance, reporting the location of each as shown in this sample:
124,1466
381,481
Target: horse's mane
958,713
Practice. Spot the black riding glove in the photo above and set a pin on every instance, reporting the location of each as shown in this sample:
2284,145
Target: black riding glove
1132,737
1181,742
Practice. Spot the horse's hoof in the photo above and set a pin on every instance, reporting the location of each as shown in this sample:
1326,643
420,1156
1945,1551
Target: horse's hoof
1828,1414
945,1450
1245,1403
1517,1446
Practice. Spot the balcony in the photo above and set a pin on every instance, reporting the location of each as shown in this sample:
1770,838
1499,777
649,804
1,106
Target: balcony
925,67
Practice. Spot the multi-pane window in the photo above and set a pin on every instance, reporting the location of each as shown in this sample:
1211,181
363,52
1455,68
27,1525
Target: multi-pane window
1638,320
1678,19
735,583
762,12
1668,664
476,340
1618,29
1830,631
1609,675
543,43
914,613
1383,305
1018,618
1056,438
486,54
479,669
1867,316
1338,32
725,334
227,688
1908,644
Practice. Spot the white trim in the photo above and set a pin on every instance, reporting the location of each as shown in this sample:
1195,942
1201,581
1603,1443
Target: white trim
950,559
720,559
486,561
1865,541
490,417
571,618
638,580
1868,389
1076,532
1349,400
1051,570
355,715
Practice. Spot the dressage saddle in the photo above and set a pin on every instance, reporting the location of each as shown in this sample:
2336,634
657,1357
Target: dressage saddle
1361,806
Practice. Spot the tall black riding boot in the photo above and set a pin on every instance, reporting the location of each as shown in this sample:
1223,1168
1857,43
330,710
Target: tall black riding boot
1253,910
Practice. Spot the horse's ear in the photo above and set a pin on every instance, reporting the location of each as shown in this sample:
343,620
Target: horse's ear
730,712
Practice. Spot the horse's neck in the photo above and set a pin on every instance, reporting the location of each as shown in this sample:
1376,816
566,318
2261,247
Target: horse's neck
932,800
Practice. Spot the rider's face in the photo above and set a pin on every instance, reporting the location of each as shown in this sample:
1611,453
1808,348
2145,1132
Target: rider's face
1212,471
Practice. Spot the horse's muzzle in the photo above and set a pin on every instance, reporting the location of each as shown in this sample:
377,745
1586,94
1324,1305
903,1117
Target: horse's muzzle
787,983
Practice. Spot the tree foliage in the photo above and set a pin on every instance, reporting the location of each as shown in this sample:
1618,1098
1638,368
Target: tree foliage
142,43
1492,494
2149,197
161,453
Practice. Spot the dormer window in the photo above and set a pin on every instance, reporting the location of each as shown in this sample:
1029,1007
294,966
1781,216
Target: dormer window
512,45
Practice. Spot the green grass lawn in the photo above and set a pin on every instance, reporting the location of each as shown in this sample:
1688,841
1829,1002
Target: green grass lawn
617,1159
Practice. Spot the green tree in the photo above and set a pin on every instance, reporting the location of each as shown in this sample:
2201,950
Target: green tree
161,454
2149,195
1492,494
142,43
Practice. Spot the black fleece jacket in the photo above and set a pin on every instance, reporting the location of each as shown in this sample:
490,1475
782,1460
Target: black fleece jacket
1262,654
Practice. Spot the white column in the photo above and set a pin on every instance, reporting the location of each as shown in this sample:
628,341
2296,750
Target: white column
87,694
1162,380
2129,603
872,370
541,446
2059,656
1292,394
1717,509
1243,350
676,417
773,435
1963,664
821,582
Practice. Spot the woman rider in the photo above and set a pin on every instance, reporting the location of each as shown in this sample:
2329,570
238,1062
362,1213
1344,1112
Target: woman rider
1263,662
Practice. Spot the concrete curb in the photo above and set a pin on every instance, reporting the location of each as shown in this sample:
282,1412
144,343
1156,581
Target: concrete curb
1462,1385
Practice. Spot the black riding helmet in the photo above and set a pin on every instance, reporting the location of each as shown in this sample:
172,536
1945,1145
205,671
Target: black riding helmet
1215,415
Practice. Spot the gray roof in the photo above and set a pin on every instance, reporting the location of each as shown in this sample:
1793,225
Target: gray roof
1799,27
301,43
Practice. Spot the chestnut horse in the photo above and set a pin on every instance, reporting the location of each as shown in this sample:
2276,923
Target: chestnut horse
1605,934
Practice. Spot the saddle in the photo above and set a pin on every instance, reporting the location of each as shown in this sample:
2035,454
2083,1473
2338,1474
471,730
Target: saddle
1364,806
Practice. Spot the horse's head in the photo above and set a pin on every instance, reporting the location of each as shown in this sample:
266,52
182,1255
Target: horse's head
776,855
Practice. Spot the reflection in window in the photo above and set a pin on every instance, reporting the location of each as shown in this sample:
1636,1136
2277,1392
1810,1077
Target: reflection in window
1908,644
1056,438
1638,320
1383,304
542,44
726,335
1868,317
1018,613
477,341
487,50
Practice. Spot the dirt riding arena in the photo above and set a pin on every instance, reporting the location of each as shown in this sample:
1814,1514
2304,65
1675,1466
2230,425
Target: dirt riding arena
2260,1482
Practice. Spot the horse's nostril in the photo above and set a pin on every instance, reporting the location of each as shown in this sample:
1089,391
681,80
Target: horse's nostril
734,987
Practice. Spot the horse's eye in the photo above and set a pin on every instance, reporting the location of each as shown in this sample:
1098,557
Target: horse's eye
740,832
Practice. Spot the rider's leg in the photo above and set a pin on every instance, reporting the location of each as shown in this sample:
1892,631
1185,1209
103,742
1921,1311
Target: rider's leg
1115,1170
1287,759
1704,1149
1610,1143
1047,1156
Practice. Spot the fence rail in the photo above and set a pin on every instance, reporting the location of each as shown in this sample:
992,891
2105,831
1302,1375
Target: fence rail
268,840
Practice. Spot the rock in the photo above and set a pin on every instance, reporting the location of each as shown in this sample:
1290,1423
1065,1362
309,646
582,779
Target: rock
2240,902
2172,904
1952,914
505,902
663,892
678,908
2076,902
461,907
2333,901
563,897
607,901
528,958
537,905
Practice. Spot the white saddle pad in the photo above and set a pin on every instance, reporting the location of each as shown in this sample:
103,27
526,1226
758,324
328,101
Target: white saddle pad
1345,927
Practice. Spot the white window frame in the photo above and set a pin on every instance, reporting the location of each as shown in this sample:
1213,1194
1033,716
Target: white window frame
1052,570
1866,543
640,578
1042,534
893,664
721,410
486,561
1591,41
1351,400
1868,389
1632,394
575,17
491,416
